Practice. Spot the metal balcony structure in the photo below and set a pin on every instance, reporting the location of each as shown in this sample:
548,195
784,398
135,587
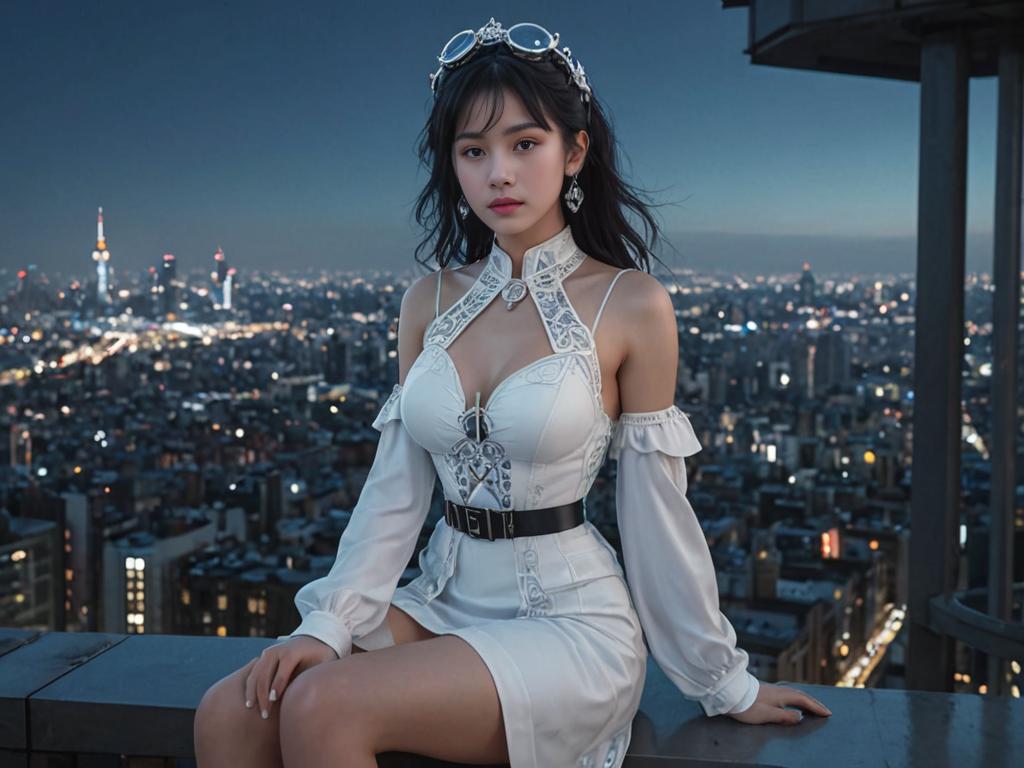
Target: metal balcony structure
941,44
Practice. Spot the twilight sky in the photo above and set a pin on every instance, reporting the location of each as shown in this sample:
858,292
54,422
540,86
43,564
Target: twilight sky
286,133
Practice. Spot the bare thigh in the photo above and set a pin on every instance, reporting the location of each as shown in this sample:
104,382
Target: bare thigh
404,628
434,698
225,729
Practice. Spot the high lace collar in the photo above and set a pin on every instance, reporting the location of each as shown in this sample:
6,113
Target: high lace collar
538,258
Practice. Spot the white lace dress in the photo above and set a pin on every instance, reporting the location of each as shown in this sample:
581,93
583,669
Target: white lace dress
552,616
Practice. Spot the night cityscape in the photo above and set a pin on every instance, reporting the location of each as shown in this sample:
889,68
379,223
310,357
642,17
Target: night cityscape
189,429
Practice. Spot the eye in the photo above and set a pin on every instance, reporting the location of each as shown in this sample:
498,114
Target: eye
465,152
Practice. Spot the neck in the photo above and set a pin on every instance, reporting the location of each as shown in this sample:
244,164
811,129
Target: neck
516,245
542,257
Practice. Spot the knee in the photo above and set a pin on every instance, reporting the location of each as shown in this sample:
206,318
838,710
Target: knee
220,711
318,698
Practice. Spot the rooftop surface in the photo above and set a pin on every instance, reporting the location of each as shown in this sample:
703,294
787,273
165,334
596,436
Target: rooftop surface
75,693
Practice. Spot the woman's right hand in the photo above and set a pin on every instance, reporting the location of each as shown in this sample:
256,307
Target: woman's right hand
272,671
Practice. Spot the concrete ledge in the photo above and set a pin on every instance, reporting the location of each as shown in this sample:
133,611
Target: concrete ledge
105,694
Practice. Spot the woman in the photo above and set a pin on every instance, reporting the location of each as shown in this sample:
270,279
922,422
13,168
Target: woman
522,641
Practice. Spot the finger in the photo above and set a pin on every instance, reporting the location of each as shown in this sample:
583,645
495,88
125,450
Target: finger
817,707
250,683
807,701
285,668
788,716
267,671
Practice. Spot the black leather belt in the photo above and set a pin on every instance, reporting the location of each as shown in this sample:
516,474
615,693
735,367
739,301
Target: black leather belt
491,524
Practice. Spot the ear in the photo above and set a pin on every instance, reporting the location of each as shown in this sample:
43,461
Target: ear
577,154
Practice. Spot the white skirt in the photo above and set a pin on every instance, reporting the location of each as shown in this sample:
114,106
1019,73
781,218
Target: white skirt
553,619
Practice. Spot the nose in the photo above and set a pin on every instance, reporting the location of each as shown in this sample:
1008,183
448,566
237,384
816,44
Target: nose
500,175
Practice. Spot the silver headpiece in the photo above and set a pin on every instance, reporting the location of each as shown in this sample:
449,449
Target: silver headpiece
527,40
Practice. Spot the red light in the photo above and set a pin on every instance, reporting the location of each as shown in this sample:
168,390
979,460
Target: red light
21,274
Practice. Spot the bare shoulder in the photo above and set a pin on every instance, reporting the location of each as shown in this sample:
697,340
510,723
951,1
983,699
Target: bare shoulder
419,296
416,312
647,376
640,306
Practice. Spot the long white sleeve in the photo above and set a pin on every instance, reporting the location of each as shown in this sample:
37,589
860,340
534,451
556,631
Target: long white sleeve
668,564
377,545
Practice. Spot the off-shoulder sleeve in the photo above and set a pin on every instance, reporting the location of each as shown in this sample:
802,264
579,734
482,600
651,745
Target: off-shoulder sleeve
668,564
377,545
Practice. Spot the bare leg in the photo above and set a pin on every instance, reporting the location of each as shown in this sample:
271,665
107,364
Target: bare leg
228,734
404,628
412,697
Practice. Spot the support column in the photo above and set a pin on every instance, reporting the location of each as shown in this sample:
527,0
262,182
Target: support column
1005,316
938,350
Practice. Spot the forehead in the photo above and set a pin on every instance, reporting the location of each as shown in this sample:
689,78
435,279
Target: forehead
507,106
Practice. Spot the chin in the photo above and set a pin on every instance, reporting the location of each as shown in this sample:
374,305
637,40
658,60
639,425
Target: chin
505,226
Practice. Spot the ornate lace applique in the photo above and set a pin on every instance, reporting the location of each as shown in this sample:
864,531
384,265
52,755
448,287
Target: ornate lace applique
482,465
534,496
546,370
594,459
537,602
639,418
563,325
437,360
608,753
447,326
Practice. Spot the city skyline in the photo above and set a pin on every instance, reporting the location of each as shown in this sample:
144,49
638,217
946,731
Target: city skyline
218,143
790,459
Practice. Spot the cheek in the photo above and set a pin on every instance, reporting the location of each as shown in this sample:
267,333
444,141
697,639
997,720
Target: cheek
469,174
549,167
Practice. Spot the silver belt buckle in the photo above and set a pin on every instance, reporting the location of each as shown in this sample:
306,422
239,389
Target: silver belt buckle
473,522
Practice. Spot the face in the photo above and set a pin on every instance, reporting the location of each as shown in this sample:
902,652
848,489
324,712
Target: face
518,159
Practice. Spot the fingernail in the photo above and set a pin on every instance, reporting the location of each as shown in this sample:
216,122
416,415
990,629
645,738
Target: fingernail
264,714
248,704
273,695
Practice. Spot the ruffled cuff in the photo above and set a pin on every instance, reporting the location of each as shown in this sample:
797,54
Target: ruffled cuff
328,629
390,409
737,695
668,430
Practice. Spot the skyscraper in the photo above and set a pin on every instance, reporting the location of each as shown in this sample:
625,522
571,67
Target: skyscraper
222,266
807,284
102,258
222,279
168,284
229,281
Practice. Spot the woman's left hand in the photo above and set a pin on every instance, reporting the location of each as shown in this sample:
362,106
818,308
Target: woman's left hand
769,706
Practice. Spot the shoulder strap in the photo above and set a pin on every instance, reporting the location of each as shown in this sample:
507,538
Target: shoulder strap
608,293
437,300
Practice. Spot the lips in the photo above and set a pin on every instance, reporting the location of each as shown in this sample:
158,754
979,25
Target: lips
505,201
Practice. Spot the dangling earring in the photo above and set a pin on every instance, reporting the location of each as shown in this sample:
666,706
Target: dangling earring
463,207
574,195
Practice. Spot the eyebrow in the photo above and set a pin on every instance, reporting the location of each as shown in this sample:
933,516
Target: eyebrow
510,130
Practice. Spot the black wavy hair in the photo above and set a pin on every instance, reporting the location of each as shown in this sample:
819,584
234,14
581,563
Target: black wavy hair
600,227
